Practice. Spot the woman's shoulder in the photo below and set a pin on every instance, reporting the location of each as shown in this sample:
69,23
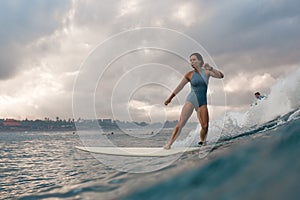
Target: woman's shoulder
189,75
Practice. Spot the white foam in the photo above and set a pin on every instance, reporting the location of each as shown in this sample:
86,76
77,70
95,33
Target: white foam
284,97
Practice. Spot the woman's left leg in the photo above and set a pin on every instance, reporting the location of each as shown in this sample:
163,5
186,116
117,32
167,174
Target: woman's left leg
203,117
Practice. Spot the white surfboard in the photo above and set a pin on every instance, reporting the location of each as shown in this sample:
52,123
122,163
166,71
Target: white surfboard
138,151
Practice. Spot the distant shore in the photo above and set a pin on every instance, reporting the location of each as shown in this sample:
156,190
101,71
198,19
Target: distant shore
47,124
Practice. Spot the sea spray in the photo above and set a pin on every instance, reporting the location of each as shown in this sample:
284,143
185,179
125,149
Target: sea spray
283,98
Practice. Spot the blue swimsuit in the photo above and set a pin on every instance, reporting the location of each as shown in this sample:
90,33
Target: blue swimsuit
199,83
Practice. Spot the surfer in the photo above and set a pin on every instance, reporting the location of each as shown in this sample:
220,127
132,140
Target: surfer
259,96
196,99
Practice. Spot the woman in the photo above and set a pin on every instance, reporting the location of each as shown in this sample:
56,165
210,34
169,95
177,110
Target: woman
197,99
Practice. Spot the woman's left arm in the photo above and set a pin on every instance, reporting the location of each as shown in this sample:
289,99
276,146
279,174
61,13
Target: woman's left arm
213,72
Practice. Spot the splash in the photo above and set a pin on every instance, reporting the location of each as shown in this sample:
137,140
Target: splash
284,97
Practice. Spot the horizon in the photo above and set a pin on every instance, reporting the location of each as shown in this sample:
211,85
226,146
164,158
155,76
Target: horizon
81,119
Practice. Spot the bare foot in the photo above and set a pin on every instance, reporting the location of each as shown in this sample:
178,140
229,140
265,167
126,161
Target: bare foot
167,147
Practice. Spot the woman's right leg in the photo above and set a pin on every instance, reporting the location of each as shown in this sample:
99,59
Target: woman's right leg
202,114
186,112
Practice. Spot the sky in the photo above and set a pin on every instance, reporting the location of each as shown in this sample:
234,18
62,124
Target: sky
92,58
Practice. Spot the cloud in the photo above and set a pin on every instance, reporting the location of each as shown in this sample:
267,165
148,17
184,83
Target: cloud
260,30
44,43
23,22
238,83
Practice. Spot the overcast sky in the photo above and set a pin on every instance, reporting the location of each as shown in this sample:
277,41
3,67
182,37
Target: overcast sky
58,57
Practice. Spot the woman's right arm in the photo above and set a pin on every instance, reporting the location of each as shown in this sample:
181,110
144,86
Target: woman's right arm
183,82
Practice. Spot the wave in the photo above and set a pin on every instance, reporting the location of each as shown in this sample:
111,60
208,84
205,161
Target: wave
282,104
263,169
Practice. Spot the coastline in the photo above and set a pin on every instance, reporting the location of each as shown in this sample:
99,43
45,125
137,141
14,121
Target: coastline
12,125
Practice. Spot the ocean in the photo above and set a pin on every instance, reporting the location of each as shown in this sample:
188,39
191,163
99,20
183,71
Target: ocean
265,167
260,164
251,154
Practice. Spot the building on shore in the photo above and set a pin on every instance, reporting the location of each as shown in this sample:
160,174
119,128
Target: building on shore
11,123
